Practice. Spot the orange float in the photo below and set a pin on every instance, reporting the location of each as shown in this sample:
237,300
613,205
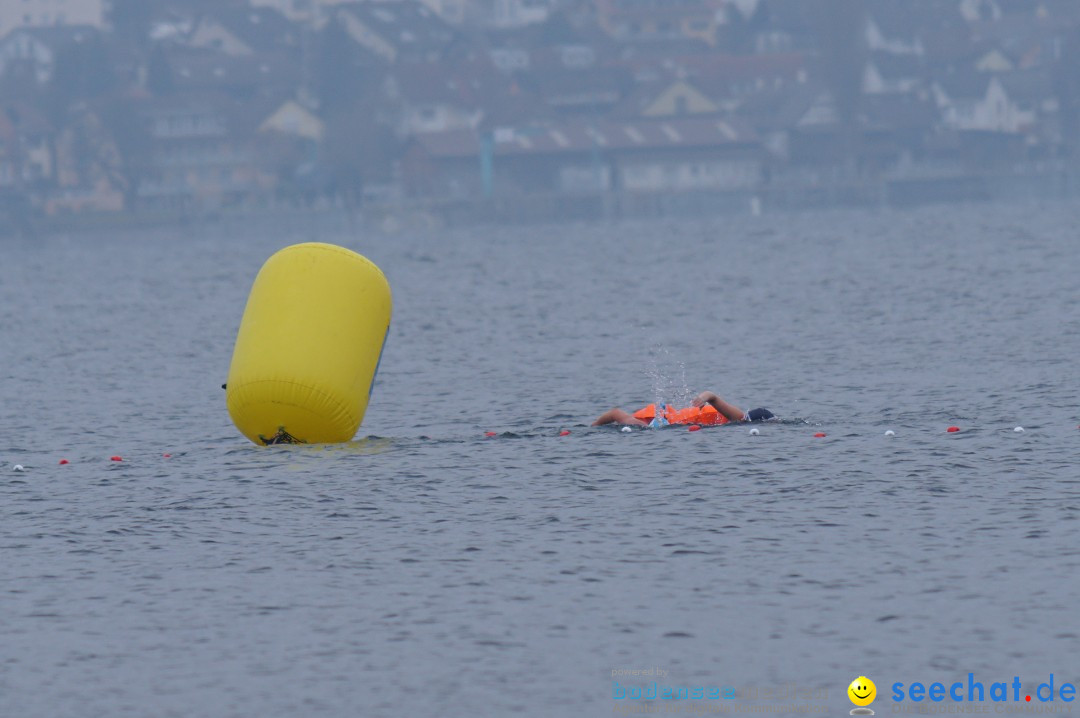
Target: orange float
706,415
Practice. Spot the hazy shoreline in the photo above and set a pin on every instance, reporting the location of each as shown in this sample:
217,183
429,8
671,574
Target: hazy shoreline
425,213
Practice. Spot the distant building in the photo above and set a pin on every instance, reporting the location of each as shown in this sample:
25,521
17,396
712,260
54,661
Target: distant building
888,73
630,20
575,156
26,156
455,12
515,52
895,129
714,83
395,31
33,50
88,175
667,98
49,13
995,60
203,154
897,38
592,91
746,7
780,26
295,10
300,10
518,13
975,101
981,10
497,13
244,31
438,97
244,77
294,120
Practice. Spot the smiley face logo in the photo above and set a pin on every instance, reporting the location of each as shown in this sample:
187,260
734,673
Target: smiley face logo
862,691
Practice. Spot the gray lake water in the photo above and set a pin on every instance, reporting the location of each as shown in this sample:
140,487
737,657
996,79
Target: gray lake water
427,570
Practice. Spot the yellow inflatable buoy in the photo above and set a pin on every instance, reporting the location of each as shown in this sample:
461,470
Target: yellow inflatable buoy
309,346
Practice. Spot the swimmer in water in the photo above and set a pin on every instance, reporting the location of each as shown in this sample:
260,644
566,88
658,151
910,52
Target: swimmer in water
647,416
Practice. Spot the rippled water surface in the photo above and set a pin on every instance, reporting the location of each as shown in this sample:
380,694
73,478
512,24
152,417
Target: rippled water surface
427,570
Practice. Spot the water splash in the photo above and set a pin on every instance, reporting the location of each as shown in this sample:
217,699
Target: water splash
667,376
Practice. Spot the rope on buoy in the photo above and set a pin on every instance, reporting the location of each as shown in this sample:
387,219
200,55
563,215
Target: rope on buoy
281,437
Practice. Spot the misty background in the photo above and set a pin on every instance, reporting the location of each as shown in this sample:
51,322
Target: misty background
115,112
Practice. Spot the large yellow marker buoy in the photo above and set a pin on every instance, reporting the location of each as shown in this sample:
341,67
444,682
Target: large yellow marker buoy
308,346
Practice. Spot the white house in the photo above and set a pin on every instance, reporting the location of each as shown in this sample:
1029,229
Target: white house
980,102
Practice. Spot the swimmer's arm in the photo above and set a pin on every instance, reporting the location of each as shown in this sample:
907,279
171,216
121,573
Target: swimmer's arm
618,416
730,411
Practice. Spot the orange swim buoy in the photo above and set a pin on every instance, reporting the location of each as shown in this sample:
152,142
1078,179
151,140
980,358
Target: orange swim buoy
706,415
